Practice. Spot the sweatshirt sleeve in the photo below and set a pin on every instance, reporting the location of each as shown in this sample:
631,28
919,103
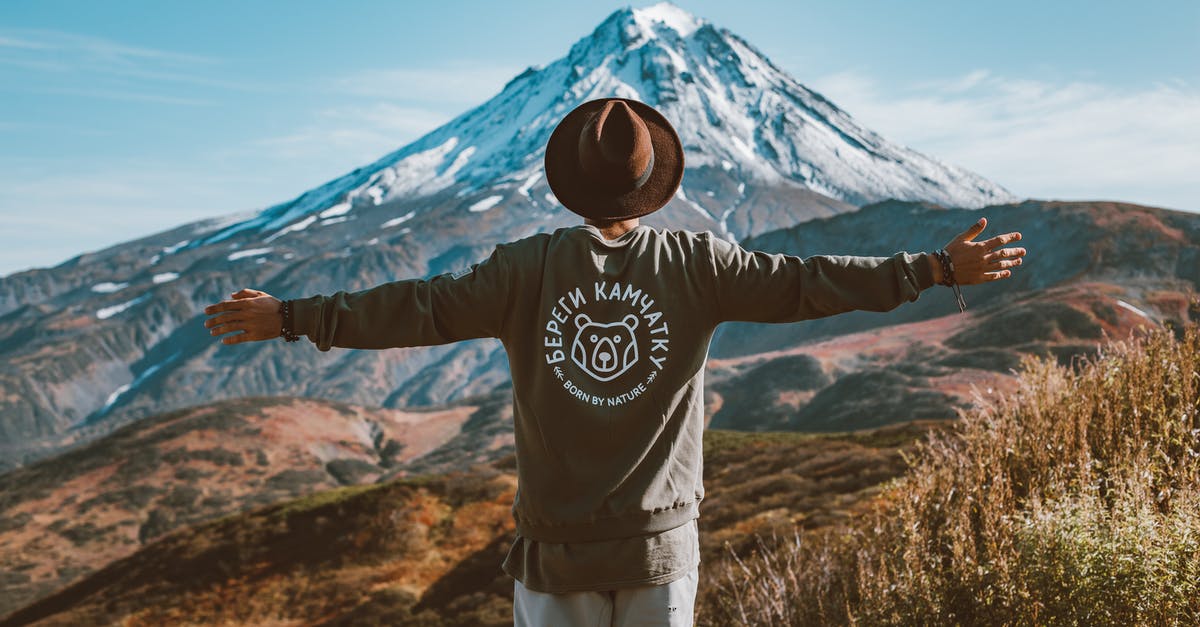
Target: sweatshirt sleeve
755,286
416,312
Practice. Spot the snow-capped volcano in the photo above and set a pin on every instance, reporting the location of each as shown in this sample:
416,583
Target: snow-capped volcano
115,334
735,111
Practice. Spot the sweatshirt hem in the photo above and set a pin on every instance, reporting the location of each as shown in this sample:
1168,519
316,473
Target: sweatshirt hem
613,528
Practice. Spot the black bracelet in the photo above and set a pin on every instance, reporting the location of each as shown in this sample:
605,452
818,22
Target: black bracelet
948,277
287,332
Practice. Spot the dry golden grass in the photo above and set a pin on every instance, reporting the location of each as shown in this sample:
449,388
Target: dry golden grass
1075,501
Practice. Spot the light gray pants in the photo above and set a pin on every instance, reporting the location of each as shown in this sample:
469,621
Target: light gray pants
668,605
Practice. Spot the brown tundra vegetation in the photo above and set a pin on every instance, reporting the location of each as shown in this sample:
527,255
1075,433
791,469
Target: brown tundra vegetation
1075,501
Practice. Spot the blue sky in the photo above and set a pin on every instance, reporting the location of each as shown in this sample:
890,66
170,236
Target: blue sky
119,119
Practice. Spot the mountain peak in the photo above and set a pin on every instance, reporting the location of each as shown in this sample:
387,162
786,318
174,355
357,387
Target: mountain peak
626,30
743,122
666,15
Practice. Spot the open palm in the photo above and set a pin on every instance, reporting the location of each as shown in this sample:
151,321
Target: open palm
979,262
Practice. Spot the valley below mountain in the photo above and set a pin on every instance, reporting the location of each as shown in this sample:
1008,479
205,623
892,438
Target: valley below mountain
420,549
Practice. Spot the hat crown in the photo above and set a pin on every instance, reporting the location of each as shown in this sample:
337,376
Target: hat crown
614,159
615,149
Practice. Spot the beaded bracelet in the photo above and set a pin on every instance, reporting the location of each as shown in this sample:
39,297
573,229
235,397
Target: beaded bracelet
285,312
948,277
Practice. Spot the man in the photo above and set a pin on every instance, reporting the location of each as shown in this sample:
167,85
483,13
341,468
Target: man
607,327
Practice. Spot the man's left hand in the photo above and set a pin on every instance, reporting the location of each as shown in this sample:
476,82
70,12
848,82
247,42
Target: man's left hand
979,262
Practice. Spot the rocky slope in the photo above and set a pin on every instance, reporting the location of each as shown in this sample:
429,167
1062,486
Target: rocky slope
1148,257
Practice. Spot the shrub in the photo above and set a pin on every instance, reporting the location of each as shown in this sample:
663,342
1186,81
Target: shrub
130,498
83,533
216,456
350,471
158,522
296,481
1074,501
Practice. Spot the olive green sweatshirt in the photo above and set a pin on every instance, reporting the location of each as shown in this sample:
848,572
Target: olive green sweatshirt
607,342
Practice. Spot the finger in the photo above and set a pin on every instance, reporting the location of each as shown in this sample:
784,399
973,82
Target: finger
1005,263
1003,253
1001,240
996,276
247,293
228,328
225,305
229,316
975,229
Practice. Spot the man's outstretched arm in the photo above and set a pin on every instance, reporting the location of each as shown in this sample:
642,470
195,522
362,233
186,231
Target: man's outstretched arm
760,287
446,308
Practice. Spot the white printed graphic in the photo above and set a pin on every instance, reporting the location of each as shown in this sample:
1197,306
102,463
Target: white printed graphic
606,345
605,351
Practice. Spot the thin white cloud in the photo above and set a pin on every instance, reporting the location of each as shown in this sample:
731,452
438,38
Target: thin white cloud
126,95
368,131
13,42
1077,140
384,109
470,84
93,47
84,65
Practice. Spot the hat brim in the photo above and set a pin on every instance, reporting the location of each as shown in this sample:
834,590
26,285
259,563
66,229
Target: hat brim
576,191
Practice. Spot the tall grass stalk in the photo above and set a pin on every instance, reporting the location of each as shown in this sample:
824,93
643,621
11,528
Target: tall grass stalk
1075,501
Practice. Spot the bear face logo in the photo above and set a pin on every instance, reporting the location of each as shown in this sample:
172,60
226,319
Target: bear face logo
605,350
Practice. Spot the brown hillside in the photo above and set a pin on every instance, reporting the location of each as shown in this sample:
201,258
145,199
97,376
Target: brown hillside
928,369
67,516
427,551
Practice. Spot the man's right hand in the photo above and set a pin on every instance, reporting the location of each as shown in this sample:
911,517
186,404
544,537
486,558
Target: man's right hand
252,314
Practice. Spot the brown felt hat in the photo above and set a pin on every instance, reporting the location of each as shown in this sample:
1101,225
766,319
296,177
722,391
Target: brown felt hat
614,159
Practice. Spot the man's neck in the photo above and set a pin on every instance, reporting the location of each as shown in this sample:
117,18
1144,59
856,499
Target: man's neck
613,230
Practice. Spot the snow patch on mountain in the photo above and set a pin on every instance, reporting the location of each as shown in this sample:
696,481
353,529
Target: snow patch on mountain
485,204
112,398
252,252
105,313
122,390
108,287
668,15
336,210
398,221
529,183
679,193
291,228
